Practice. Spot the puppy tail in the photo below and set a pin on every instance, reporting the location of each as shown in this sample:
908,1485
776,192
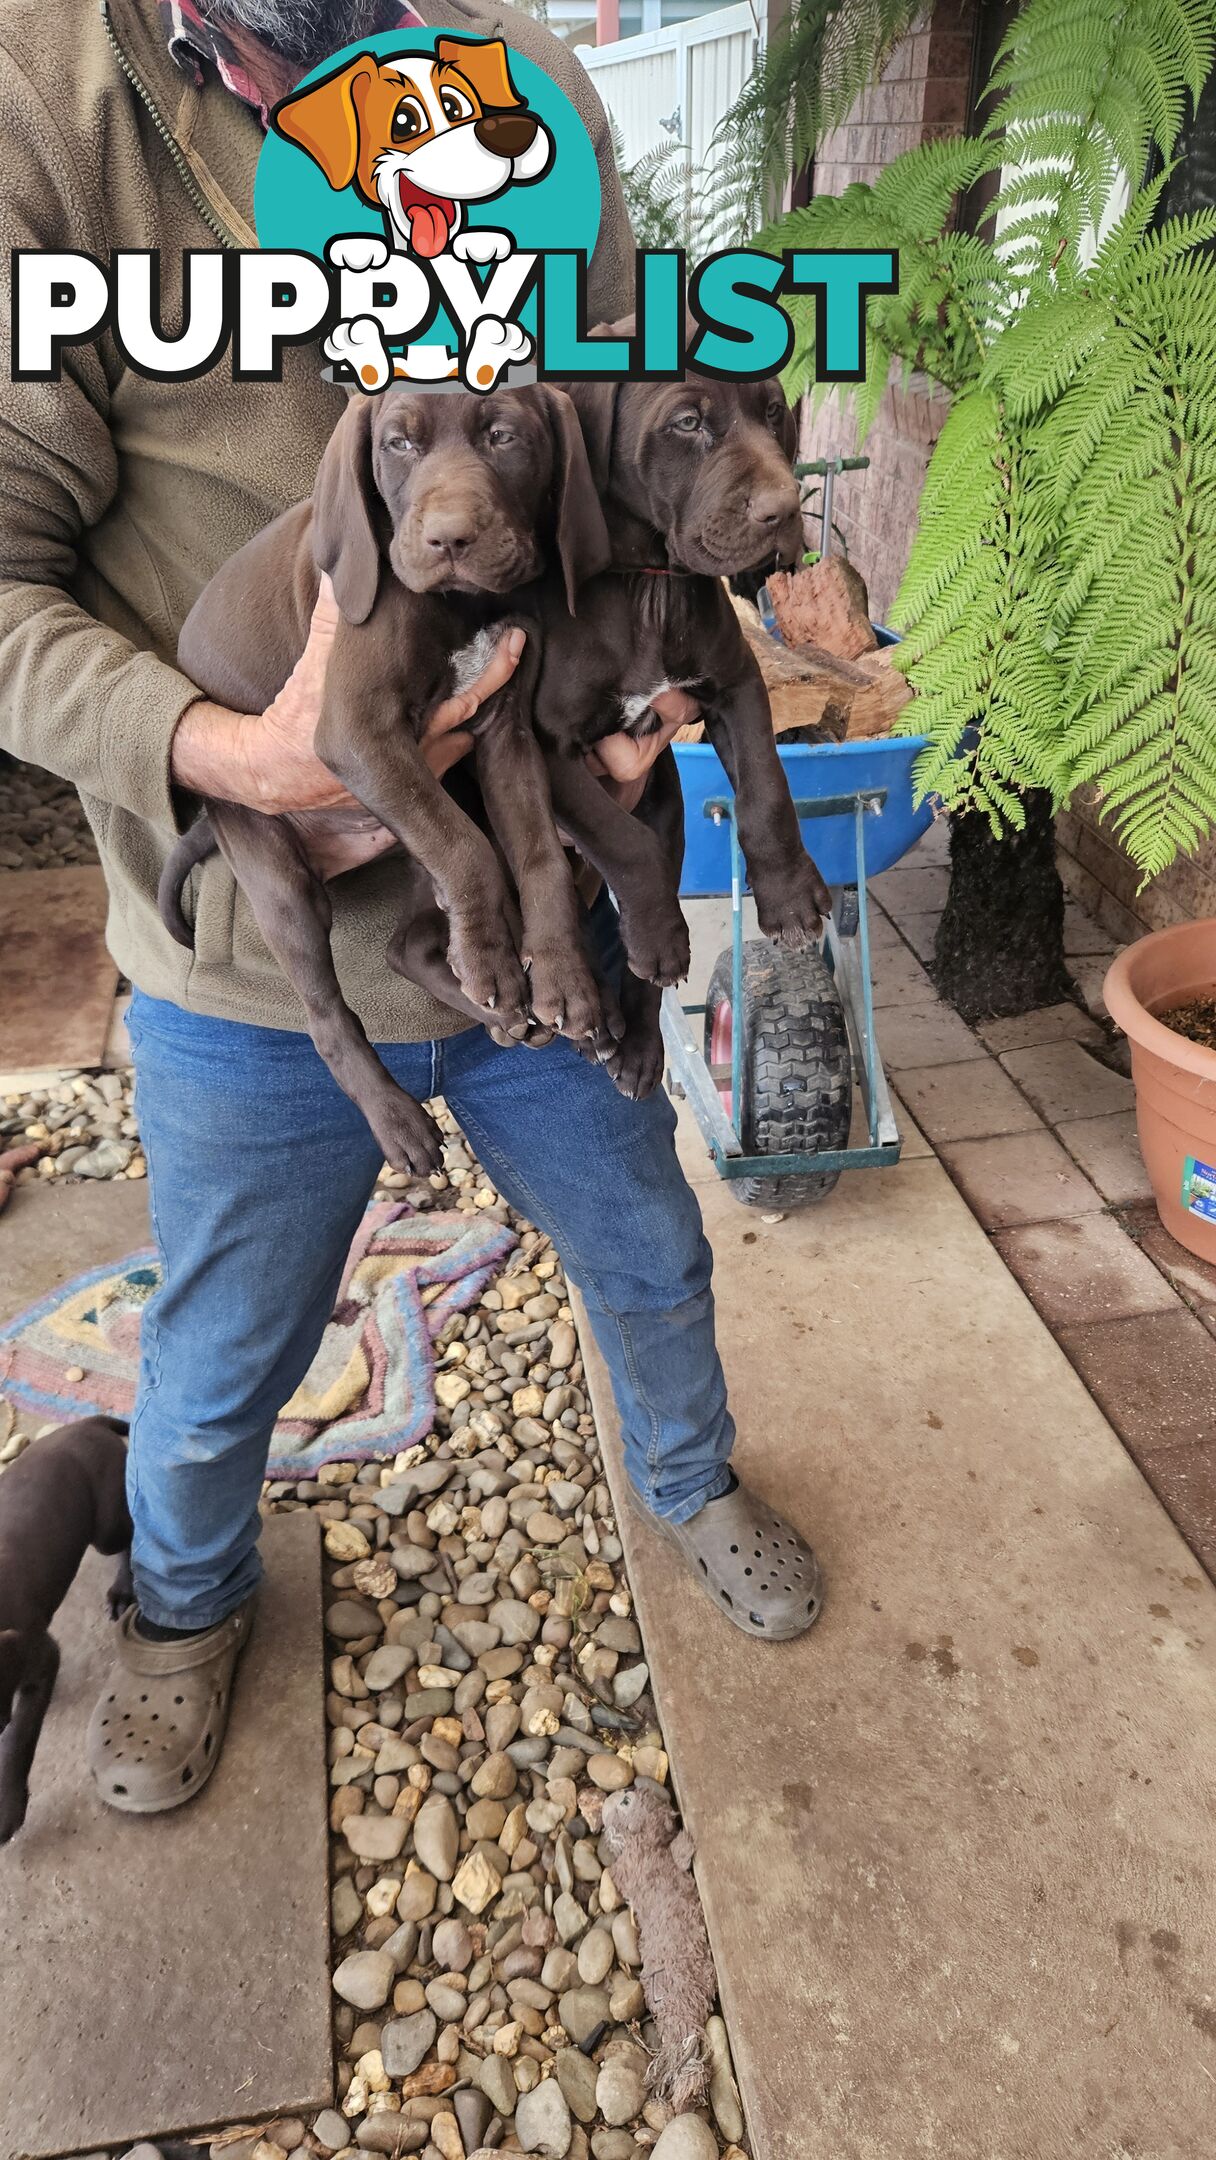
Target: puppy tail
193,847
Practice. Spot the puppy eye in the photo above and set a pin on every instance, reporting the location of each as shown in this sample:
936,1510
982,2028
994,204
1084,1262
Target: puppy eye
398,444
687,423
456,106
776,412
501,435
409,119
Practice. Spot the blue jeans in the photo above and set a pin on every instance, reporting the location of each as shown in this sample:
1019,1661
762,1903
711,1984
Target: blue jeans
259,1171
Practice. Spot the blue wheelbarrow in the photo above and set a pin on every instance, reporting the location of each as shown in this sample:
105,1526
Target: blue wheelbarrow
770,1084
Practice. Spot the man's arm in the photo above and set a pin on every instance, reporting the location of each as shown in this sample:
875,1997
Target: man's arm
75,697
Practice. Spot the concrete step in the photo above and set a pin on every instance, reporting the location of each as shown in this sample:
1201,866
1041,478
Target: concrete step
955,1845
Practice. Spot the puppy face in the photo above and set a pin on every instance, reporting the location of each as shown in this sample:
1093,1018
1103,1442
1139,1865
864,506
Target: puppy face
458,493
421,135
464,488
707,463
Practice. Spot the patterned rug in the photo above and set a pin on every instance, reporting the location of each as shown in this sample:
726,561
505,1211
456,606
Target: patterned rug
370,1390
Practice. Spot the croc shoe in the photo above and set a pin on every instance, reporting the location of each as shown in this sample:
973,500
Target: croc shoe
155,1736
756,1567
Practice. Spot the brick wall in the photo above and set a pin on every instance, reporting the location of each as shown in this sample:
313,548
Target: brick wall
922,94
877,510
1098,873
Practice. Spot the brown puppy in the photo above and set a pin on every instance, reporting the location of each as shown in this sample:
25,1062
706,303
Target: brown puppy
62,1495
429,511
696,483
697,486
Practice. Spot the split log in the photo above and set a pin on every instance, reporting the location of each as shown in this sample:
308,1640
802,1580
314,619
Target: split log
815,695
824,604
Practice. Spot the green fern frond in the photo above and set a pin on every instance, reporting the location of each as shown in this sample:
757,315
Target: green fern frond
815,66
1087,89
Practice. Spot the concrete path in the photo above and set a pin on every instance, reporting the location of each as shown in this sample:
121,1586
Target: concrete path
956,1845
169,1973
172,1972
59,980
48,1235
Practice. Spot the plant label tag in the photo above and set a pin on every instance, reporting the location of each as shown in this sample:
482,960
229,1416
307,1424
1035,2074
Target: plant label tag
1199,1188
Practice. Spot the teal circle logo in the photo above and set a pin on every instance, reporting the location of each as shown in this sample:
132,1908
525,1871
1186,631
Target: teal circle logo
412,163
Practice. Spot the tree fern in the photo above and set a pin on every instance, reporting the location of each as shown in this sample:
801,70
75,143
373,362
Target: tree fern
1059,603
1087,88
813,69
1136,615
660,195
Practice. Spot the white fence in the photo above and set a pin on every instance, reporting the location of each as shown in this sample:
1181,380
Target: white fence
672,86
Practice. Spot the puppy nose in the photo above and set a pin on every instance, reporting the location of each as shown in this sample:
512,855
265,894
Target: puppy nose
770,507
449,532
506,134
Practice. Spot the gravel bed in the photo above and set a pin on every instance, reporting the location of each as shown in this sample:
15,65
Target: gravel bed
487,1688
42,826
84,1124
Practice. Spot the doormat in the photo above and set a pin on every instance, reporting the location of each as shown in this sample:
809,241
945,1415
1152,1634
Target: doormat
370,1390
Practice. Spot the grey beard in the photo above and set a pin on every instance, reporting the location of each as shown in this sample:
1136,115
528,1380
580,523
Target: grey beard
302,30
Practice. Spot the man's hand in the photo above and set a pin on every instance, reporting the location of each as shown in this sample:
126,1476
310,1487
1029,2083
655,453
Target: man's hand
624,764
267,760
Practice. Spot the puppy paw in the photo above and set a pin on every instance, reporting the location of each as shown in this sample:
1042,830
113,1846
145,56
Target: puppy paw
357,251
489,972
564,995
494,346
359,346
657,949
791,906
635,1066
407,1133
476,245
531,1036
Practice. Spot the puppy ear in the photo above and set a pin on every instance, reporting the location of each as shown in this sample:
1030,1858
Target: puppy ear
484,65
595,404
324,119
582,535
344,540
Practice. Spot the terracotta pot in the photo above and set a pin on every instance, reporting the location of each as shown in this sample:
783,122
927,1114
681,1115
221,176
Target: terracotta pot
1175,1079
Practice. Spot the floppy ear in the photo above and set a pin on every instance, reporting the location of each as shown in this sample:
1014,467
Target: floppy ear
595,404
344,540
582,535
324,119
484,65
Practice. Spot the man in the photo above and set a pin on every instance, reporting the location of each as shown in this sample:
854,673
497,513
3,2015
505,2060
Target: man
140,127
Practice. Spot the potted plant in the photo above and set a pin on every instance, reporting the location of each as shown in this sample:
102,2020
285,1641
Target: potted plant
1160,992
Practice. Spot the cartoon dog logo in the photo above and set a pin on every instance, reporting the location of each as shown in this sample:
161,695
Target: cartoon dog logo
421,135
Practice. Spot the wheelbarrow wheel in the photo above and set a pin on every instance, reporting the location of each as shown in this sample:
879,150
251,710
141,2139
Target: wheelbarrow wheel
797,1072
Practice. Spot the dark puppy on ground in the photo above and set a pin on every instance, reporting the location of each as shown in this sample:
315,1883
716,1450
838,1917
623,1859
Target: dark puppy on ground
62,1495
429,513
696,483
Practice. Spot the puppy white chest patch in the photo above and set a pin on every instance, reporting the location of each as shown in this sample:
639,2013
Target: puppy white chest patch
468,663
638,702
